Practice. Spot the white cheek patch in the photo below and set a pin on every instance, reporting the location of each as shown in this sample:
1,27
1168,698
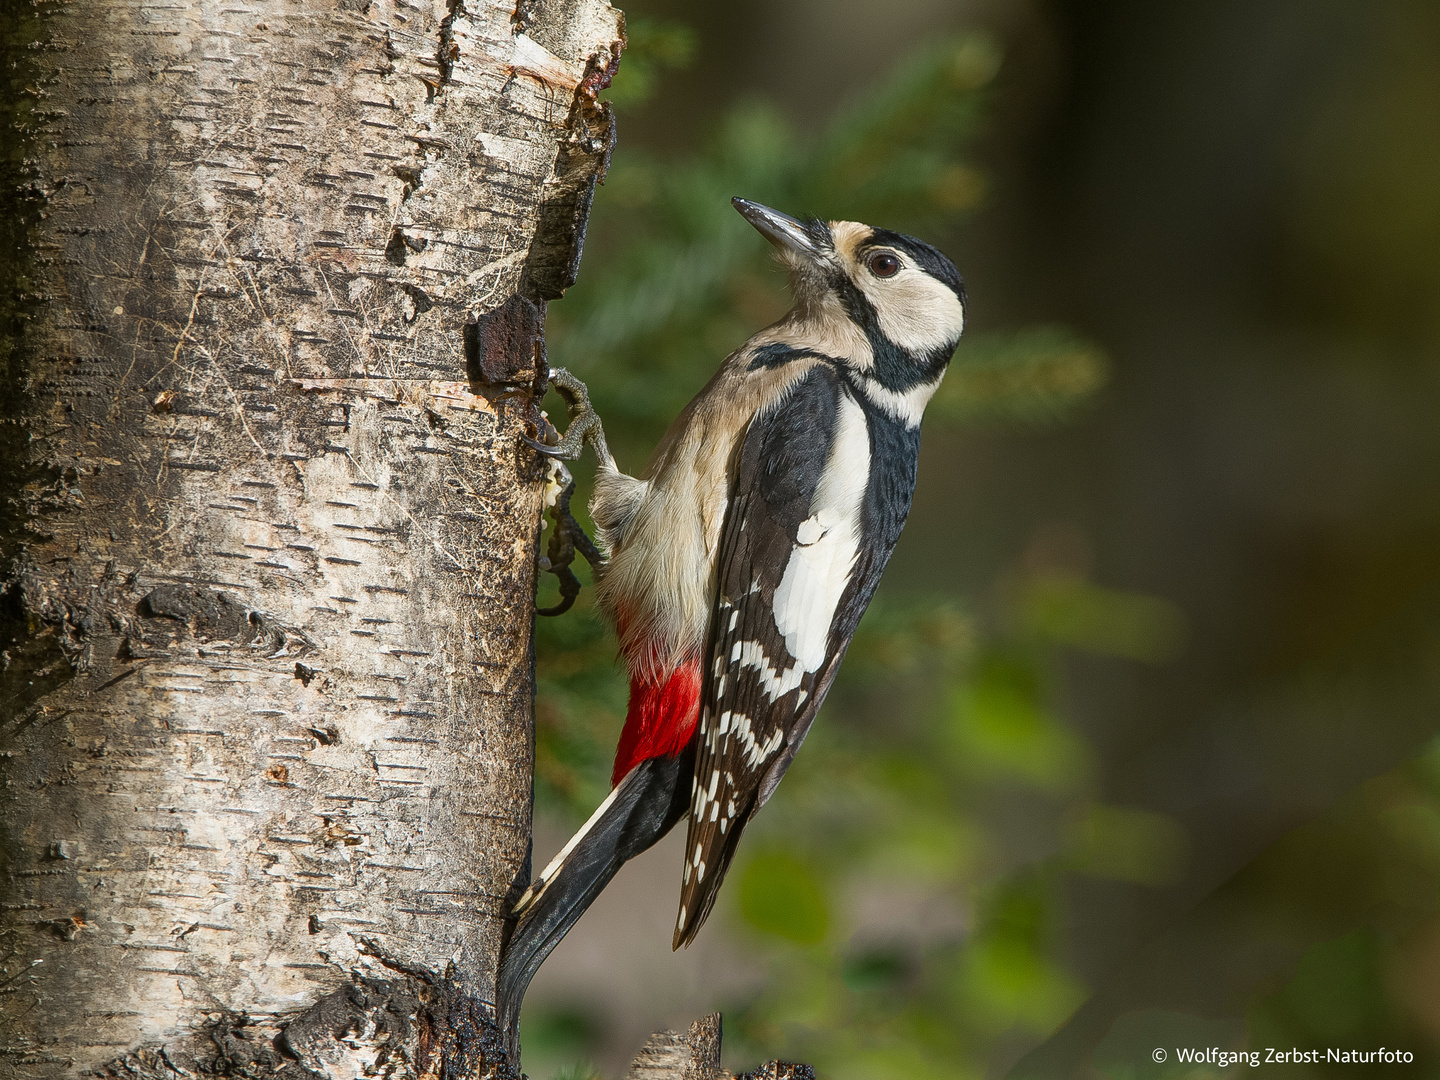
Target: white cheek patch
915,311
826,543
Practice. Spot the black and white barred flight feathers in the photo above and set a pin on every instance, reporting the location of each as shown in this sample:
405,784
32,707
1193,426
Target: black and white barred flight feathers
808,530
744,555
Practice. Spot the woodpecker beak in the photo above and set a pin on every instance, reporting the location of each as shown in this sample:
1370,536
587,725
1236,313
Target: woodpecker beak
782,230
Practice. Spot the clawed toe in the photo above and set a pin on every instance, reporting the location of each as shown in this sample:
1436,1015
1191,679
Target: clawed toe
584,422
546,449
568,538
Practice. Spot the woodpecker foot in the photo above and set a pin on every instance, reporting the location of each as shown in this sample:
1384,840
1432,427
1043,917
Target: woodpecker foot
584,422
567,539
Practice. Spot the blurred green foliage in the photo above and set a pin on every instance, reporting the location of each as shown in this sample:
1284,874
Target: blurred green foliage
652,47
999,724
933,721
782,895
579,1072
674,278
1037,374
904,888
1071,611
1356,895
562,1033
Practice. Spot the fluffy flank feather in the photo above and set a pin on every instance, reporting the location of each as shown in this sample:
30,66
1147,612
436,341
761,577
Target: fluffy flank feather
659,585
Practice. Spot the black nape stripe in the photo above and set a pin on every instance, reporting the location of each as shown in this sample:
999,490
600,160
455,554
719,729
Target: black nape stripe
778,354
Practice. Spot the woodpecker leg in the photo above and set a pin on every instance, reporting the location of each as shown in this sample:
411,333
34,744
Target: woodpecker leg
567,538
584,422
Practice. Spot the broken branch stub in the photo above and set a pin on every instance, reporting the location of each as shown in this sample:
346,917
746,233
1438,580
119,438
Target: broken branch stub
695,1055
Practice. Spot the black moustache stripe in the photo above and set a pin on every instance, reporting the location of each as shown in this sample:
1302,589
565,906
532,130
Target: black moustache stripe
779,354
895,368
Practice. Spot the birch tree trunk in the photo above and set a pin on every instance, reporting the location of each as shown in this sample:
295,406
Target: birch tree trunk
270,330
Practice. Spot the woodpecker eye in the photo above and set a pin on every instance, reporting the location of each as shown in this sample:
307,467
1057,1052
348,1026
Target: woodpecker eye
883,264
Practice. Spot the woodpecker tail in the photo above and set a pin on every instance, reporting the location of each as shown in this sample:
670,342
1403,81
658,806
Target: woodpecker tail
644,806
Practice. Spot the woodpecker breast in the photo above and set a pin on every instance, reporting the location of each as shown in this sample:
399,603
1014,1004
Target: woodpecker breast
661,530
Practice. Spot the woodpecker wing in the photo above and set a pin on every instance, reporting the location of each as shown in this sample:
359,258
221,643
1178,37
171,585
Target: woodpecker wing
810,525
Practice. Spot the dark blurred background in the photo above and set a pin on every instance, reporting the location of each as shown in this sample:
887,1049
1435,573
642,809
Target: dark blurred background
1136,748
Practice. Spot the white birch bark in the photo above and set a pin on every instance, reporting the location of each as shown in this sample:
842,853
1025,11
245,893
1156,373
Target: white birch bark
269,530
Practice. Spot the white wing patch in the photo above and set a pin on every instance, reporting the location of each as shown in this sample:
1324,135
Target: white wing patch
751,654
826,543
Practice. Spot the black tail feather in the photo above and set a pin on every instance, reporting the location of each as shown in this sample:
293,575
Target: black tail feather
702,899
647,803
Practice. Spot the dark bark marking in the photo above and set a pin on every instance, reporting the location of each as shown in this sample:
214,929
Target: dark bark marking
218,616
507,345
780,1070
33,662
553,262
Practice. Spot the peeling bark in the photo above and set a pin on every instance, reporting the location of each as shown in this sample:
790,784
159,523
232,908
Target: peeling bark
268,529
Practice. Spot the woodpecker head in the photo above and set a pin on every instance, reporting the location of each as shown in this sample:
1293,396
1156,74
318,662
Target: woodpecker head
903,301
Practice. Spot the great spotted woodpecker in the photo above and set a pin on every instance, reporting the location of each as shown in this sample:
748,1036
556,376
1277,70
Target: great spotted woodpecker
741,560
